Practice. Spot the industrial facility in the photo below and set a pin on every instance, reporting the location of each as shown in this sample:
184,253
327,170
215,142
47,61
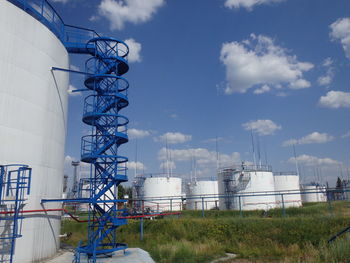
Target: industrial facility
34,61
34,190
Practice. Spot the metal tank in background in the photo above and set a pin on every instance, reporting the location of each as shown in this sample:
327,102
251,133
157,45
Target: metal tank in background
246,187
202,194
313,192
158,192
287,187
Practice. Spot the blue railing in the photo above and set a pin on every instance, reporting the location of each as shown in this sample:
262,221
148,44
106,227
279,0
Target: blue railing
43,11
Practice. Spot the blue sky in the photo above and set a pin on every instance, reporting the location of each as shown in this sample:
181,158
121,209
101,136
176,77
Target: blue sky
206,69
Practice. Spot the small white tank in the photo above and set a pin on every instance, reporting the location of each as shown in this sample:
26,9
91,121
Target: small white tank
313,193
159,191
247,188
198,189
288,185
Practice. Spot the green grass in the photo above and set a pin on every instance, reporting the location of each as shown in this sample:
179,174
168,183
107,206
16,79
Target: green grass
299,237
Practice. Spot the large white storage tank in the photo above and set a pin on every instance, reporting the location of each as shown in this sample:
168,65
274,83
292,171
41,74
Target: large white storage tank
33,114
162,193
202,192
246,187
312,193
287,183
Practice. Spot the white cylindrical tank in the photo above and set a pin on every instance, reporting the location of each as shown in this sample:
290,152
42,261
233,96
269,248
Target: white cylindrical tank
162,194
312,193
248,188
202,192
287,184
33,114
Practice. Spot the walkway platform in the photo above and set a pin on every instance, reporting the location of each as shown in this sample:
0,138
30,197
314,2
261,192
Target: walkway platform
132,255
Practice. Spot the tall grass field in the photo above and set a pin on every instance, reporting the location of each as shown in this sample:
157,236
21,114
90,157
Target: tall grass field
299,236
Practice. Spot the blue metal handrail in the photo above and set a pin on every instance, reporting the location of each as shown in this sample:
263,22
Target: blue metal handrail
44,12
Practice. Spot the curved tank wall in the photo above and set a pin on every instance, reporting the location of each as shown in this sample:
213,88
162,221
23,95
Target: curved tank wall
313,193
33,113
287,183
237,189
202,188
162,188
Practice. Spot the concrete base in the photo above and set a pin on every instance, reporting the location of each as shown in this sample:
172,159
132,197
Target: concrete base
132,255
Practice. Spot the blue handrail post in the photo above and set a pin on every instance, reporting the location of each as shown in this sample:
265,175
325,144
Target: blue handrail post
283,206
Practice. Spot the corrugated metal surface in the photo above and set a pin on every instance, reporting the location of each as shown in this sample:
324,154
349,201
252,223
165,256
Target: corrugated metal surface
33,113
202,188
163,187
285,184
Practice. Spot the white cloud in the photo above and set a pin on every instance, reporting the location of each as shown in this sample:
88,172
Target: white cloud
262,127
324,80
138,134
257,62
71,91
73,67
174,138
134,50
174,116
167,165
204,157
119,12
327,79
136,166
309,160
248,4
346,135
340,31
60,1
262,90
335,99
314,137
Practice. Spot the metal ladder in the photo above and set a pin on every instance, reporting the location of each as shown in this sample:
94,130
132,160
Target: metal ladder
14,185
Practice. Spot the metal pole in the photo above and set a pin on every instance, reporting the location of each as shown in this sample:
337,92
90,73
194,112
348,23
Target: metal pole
202,206
141,229
171,204
240,207
283,207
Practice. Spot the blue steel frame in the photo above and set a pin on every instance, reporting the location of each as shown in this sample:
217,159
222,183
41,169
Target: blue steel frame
15,183
109,131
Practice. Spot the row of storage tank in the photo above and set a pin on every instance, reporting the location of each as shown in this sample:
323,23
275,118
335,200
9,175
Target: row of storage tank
237,188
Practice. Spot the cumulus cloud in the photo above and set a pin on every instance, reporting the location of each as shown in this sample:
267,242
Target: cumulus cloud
134,50
119,12
335,99
248,4
327,78
136,166
309,160
314,137
346,135
72,91
340,31
258,61
262,127
263,89
204,157
170,165
138,134
174,138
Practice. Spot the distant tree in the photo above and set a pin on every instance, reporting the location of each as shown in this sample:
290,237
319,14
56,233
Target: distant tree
121,192
339,184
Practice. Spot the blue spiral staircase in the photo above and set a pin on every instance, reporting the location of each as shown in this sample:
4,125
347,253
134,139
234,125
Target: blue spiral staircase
109,131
